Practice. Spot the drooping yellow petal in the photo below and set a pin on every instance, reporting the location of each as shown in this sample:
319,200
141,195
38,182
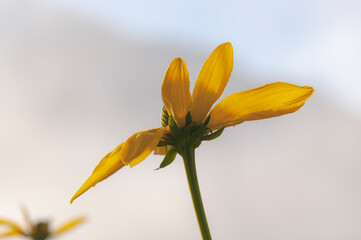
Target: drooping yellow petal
175,91
15,228
211,81
68,225
268,101
140,145
106,167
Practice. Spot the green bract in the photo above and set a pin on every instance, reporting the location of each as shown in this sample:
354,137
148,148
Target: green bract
179,139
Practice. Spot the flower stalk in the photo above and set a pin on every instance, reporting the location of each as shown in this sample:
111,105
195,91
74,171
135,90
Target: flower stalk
190,168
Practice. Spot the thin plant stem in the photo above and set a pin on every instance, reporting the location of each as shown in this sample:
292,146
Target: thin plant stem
190,167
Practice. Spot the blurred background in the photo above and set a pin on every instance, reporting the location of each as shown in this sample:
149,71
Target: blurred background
77,78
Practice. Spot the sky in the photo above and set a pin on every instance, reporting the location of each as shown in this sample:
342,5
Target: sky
316,41
77,78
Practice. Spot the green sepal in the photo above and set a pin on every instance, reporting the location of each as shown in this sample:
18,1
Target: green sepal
205,123
169,158
188,118
173,127
172,122
213,135
162,144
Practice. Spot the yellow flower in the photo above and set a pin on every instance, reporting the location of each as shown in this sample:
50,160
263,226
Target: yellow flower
194,111
37,231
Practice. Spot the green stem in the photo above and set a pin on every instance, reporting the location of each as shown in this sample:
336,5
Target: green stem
190,167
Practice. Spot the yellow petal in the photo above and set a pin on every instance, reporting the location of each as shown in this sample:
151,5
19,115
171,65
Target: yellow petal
175,91
211,81
140,145
15,228
268,101
10,233
162,150
68,225
106,167
26,216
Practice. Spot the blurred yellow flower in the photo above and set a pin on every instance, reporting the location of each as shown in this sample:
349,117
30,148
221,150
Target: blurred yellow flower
39,230
194,111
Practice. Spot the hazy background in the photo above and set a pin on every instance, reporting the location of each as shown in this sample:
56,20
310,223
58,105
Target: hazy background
79,77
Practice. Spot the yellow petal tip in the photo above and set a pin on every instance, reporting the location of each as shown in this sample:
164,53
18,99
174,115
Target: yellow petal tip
74,197
309,88
227,45
310,91
69,225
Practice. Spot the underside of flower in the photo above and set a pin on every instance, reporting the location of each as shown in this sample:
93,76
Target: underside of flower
181,138
188,119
